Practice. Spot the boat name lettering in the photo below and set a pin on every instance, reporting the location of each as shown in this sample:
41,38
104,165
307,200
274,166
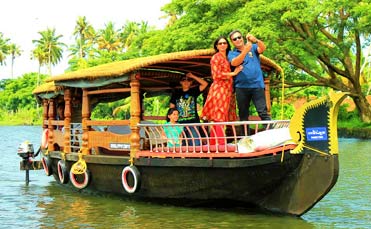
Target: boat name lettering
316,134
119,146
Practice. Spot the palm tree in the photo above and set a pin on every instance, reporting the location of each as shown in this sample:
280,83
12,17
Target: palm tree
172,17
108,38
39,54
14,51
129,31
4,48
50,45
85,36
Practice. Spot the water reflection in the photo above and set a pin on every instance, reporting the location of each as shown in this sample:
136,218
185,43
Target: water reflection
348,203
70,209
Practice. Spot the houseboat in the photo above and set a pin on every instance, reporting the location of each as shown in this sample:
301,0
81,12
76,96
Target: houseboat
282,166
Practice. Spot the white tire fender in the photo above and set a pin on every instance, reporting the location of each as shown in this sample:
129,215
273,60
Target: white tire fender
133,172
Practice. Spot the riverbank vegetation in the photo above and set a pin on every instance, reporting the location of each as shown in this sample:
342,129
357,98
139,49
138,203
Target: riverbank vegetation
321,47
19,107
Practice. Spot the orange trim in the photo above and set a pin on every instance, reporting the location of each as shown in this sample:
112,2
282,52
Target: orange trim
271,151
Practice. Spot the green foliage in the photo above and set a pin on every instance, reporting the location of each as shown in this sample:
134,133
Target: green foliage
279,112
198,24
23,116
316,44
16,94
345,115
101,112
18,105
156,106
350,119
3,83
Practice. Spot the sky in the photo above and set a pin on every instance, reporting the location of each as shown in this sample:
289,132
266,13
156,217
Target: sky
21,20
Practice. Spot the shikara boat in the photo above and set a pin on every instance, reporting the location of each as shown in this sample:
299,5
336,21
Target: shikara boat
282,166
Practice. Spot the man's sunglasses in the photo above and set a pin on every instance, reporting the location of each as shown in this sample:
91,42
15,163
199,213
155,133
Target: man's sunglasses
236,38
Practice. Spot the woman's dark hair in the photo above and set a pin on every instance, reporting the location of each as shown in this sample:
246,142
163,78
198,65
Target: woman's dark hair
169,112
217,41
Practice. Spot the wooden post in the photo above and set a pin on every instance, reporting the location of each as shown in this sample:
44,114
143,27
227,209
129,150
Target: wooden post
134,115
67,121
85,116
45,113
51,115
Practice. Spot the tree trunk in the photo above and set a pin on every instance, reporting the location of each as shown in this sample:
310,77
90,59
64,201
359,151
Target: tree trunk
364,108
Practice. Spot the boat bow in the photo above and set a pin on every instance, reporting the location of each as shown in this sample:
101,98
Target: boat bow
314,128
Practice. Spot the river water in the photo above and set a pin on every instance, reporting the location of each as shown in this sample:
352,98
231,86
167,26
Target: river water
46,204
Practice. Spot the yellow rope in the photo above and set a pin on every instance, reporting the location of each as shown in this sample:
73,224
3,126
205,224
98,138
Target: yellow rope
63,156
282,93
316,150
34,163
308,147
283,153
283,149
46,153
80,166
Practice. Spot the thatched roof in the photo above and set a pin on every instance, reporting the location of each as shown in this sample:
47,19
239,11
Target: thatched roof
159,72
120,68
178,61
46,87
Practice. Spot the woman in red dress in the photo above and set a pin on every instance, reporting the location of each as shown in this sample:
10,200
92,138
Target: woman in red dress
220,105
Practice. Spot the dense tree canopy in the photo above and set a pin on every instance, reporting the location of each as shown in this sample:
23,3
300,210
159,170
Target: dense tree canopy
319,42
15,94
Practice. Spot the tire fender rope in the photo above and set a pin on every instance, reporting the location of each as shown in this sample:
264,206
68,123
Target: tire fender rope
79,174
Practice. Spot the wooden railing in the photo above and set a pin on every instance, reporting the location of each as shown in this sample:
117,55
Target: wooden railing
233,138
57,135
201,138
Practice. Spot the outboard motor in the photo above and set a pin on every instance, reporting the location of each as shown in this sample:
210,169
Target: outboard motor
25,151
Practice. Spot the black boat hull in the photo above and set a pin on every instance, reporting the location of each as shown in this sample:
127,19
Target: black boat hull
289,187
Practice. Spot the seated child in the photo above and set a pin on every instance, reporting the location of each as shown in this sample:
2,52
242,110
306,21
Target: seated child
172,133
